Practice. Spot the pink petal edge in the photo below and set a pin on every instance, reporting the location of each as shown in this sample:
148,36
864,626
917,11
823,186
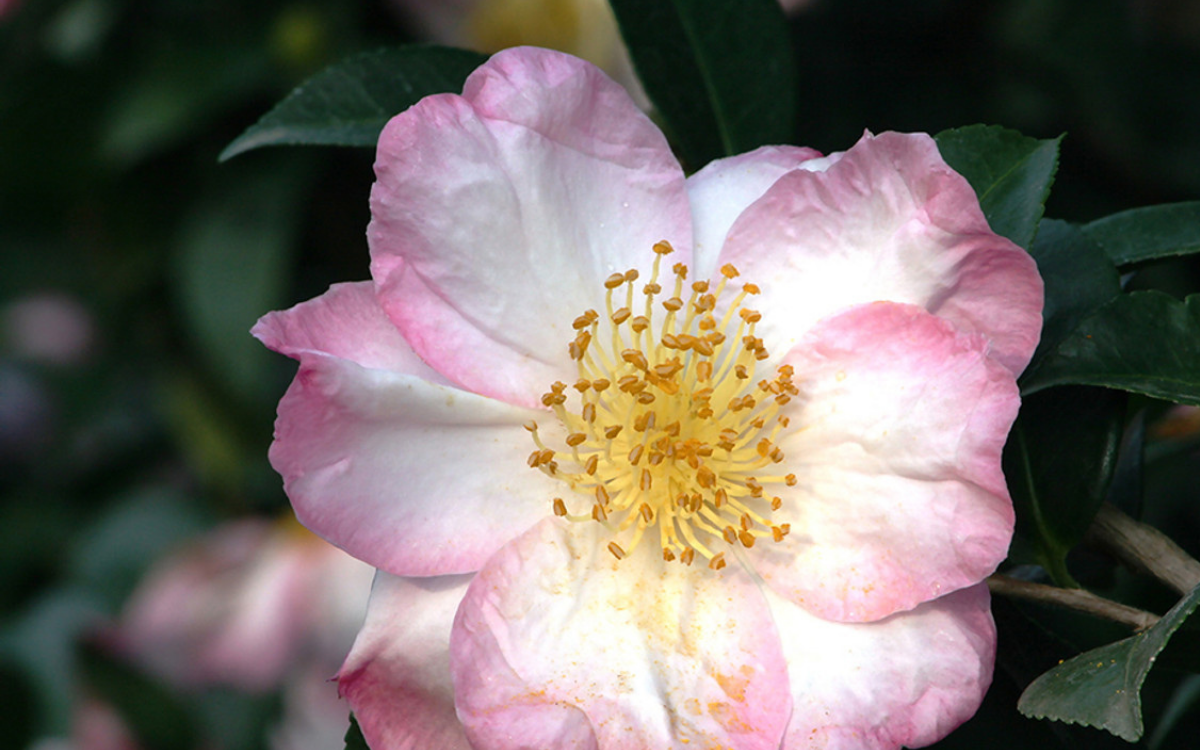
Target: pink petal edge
397,676
887,220
497,215
896,441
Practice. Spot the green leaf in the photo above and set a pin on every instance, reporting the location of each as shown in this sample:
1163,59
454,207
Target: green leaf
348,103
1059,461
1079,279
1142,342
1102,688
354,736
1148,233
1011,174
721,74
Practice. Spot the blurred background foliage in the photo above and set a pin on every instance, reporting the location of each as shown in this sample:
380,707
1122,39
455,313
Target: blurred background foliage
136,410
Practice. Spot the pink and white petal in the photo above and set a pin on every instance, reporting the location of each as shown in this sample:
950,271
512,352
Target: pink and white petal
409,476
889,220
397,676
896,438
556,642
346,322
497,215
722,190
907,680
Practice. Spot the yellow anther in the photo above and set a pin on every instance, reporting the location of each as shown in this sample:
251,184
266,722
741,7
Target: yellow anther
689,369
636,358
662,247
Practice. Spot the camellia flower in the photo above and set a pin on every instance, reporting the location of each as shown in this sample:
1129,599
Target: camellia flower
653,462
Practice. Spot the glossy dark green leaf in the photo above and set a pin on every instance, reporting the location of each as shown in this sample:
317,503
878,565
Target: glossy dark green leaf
1059,461
1148,233
1079,278
721,74
1011,174
348,103
1102,687
354,736
1142,342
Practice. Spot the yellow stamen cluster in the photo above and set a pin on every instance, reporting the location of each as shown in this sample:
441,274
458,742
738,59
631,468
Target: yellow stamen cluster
671,431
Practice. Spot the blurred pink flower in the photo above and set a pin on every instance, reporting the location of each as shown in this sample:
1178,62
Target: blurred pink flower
245,606
49,327
756,504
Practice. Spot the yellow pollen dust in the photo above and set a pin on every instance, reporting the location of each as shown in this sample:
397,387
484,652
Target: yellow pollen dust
670,430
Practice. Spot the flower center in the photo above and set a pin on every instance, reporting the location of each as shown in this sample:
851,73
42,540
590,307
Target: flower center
668,430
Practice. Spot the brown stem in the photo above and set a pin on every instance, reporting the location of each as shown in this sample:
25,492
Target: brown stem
1076,599
1143,548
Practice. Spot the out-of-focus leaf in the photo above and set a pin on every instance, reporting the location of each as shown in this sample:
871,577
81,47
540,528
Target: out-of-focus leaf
1059,460
1011,174
158,719
1148,233
17,707
174,94
1079,278
1142,342
114,552
348,103
1102,687
721,74
1183,703
354,736
231,266
42,641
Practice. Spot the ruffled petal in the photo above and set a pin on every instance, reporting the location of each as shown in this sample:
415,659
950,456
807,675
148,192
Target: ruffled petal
722,190
557,644
895,443
497,215
348,323
908,680
408,475
889,220
397,676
